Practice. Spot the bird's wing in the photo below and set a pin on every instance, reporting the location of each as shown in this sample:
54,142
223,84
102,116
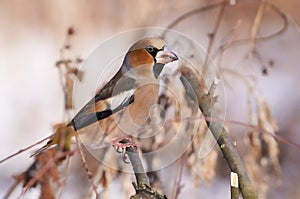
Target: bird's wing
117,94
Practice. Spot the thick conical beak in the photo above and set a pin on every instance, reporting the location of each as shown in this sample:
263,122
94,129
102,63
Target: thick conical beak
165,56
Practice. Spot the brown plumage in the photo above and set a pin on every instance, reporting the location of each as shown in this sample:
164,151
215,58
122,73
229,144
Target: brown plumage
131,92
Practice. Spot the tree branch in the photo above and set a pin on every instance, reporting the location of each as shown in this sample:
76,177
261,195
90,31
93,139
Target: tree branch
137,166
206,104
142,186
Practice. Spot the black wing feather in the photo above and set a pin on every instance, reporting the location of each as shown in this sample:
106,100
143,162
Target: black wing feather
117,85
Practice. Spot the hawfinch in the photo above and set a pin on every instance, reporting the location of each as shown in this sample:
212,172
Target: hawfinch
131,92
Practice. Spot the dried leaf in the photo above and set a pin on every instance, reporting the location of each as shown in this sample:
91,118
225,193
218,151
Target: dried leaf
262,157
47,191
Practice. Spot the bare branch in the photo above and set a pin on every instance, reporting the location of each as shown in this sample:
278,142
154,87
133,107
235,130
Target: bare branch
142,187
223,139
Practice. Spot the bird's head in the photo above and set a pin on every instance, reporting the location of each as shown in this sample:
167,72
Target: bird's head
148,57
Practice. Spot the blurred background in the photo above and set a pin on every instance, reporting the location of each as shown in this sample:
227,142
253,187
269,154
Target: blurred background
33,32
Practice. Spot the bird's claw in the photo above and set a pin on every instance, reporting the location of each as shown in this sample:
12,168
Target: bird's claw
121,147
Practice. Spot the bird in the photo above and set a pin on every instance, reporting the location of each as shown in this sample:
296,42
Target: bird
132,91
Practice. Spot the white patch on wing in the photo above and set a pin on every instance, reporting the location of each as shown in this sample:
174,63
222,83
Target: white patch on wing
119,99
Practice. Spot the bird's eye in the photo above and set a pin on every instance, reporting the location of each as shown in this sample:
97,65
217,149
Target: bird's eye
150,49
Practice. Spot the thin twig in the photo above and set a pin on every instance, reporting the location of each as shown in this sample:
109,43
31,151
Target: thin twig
23,150
12,188
256,24
212,36
89,174
242,124
189,14
45,168
260,130
295,22
65,178
283,28
178,186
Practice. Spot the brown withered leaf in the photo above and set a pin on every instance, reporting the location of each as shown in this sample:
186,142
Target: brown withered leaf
47,191
262,158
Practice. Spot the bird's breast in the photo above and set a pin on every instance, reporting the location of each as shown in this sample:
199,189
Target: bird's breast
135,117
144,98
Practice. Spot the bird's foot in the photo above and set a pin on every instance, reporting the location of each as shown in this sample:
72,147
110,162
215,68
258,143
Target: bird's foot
121,144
